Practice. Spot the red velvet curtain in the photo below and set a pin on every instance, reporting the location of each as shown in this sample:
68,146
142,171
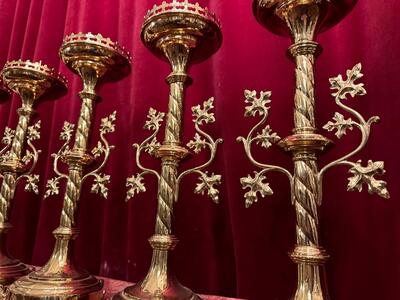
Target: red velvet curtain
224,249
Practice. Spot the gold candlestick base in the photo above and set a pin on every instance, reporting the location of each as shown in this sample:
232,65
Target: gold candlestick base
30,80
181,33
93,58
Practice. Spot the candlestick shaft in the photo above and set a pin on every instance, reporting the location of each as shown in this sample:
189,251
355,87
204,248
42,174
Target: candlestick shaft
302,19
76,159
170,153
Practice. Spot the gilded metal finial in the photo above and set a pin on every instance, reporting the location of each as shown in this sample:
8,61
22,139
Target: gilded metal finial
92,57
19,156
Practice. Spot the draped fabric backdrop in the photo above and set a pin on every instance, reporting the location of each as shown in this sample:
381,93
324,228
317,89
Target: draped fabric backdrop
224,249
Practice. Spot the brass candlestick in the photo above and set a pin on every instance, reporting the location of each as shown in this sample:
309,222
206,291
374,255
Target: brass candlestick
182,32
304,18
93,58
30,80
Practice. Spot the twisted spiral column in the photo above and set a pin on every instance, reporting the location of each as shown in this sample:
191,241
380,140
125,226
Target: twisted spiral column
166,191
85,121
305,195
158,276
6,195
167,185
304,104
305,166
302,19
71,197
75,174
174,117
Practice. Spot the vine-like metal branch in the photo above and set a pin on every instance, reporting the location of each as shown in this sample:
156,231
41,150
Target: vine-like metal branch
361,174
200,141
30,160
102,148
265,138
52,186
149,145
7,139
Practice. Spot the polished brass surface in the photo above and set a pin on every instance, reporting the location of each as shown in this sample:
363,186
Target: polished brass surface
18,157
183,33
93,58
305,144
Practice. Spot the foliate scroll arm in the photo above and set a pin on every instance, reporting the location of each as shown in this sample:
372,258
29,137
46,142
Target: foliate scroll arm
7,139
52,186
203,114
102,149
30,159
150,145
343,88
265,138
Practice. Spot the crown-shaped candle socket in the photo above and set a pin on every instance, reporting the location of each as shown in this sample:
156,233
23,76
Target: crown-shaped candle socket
303,19
273,14
183,22
80,51
30,80
93,58
183,33
33,79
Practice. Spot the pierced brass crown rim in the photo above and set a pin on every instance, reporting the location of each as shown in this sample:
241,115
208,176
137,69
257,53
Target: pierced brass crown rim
36,67
98,40
181,7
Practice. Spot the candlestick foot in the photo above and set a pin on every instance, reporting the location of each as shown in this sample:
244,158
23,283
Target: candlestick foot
11,269
67,285
159,282
173,291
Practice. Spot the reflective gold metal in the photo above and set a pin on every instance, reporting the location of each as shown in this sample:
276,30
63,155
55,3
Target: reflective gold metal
183,33
93,58
30,80
304,18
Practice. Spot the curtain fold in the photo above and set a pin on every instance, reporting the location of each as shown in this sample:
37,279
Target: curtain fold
224,249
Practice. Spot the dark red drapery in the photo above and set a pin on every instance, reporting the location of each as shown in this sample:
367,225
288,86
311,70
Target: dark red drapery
224,249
